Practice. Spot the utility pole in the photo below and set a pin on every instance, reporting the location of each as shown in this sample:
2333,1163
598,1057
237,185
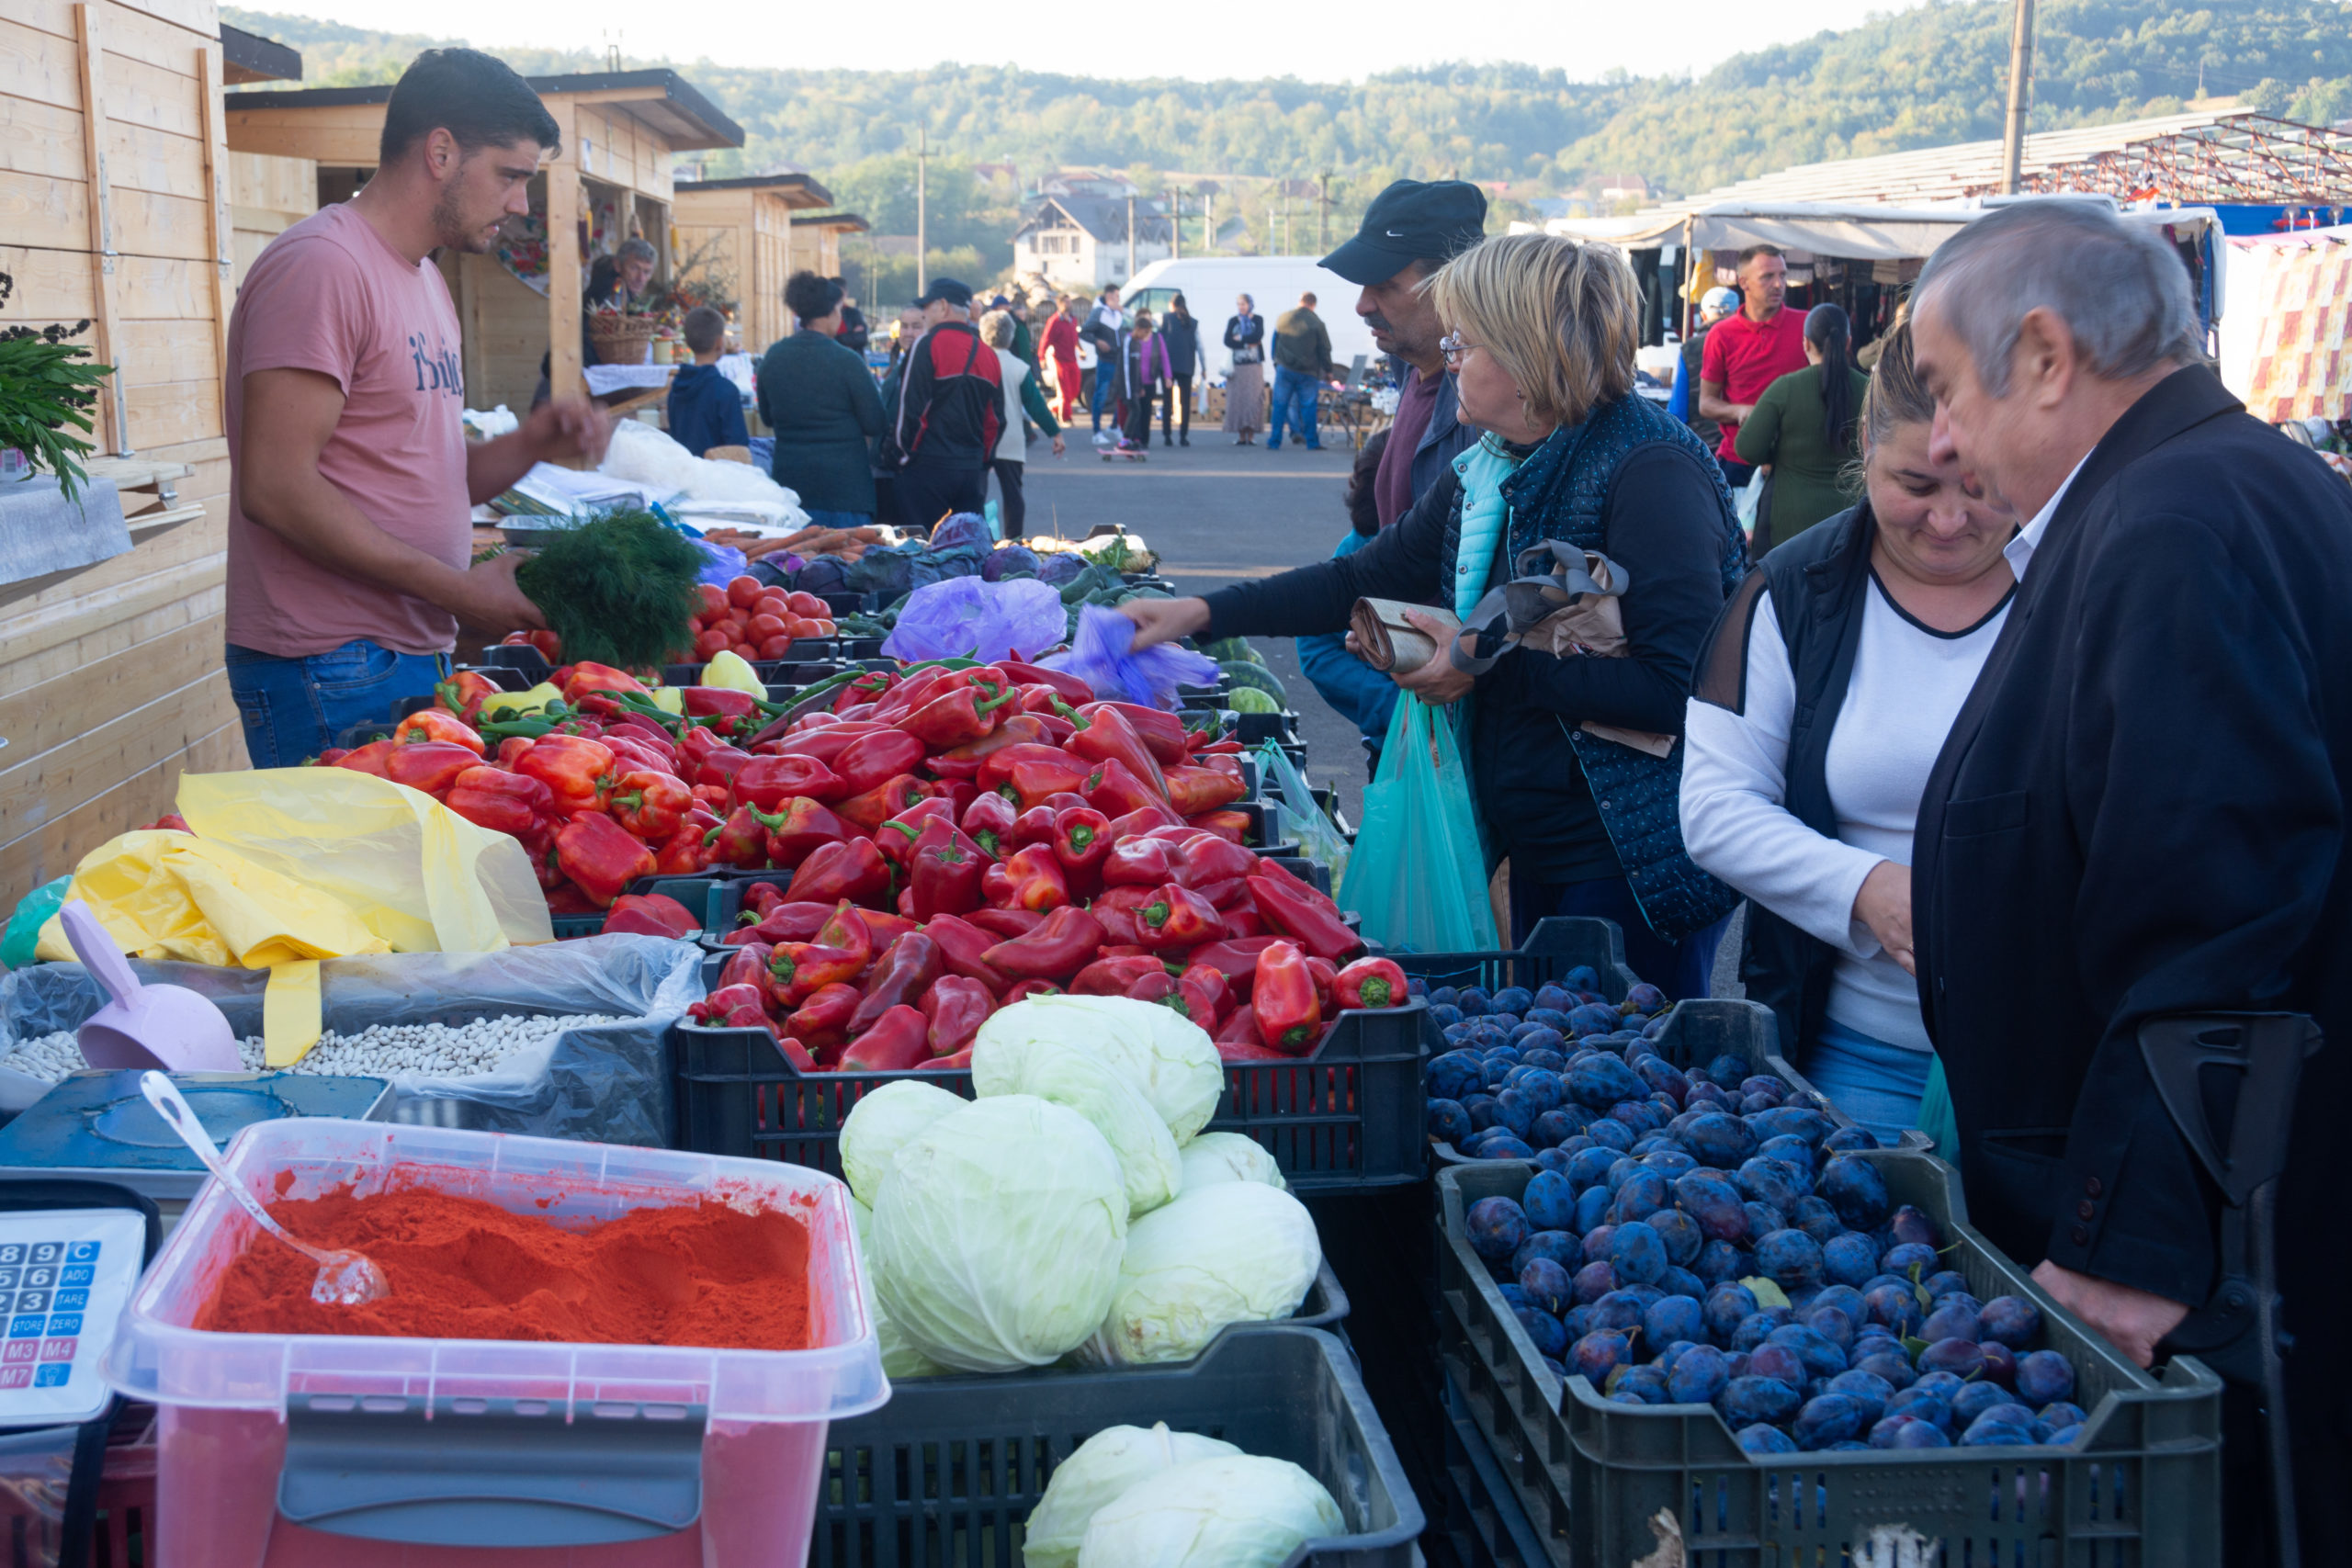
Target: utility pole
2020,95
1208,223
922,212
1130,237
1176,224
1322,211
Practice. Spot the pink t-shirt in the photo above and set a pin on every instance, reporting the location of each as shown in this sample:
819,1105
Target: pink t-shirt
1743,357
331,295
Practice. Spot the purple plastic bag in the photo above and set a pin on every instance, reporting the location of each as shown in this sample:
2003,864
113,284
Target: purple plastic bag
721,563
968,617
1102,655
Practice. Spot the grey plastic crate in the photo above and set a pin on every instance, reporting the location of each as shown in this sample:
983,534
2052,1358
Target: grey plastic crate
1483,1525
944,1475
2142,1487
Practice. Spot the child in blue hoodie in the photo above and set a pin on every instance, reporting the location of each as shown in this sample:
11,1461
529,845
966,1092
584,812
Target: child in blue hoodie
705,408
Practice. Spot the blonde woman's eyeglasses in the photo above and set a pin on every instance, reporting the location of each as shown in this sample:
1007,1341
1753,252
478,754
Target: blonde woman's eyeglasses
1454,349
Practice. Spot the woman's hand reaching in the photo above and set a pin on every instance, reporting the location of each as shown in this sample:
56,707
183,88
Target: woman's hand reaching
1884,905
1165,620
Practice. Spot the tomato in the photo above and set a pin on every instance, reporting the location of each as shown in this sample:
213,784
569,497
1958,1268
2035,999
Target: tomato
734,624
549,645
800,625
824,625
778,647
713,599
764,627
744,592
512,639
710,644
806,603
772,604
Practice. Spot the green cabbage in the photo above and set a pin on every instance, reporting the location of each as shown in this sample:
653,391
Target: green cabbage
881,1121
899,1360
1239,1511
1212,1158
1168,1057
1080,1077
1101,1471
998,1233
1230,1252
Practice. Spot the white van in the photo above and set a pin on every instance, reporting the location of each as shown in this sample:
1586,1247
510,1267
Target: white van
1275,283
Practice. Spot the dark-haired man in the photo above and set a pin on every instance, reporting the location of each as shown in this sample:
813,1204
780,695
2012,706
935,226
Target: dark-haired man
1748,352
852,333
351,483
950,410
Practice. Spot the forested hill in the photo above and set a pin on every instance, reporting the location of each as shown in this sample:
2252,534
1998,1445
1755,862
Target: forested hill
1921,77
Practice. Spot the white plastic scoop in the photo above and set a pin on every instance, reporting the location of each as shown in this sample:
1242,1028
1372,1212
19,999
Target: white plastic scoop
145,1026
346,1279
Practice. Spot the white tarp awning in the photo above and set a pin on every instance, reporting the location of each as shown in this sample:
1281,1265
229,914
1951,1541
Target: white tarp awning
1856,231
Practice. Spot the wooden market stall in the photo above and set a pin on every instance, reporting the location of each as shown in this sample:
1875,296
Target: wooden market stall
828,227
114,209
737,240
610,182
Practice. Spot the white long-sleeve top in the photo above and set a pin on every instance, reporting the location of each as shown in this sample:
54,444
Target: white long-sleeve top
1907,686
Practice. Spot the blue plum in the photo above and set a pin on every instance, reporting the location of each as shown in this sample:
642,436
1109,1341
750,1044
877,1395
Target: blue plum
1857,1190
1893,1366
1682,1283
2060,1414
1773,1181
1547,1285
1620,1311
1638,1384
2011,1320
2000,1362
1597,1242
1726,1306
1669,1159
1474,1001
1759,1438
1679,1234
1848,1259
1873,1390
1940,1285
1502,1145
1976,1399
1787,1121
1698,1375
1454,1073
1593,1281
1514,998
1812,1215
1763,1219
1549,1202
1642,1194
1942,1384
1713,1202
1644,998
2065,1437
1750,1399
1610,1130
1915,1434
1771,1360
1846,1299
1822,1358
1792,1259
1449,1123
1670,1318
1590,1167
1592,1018
1496,1227
1662,1079
1986,1432
1551,1158
1592,1204
1553,997
1720,1260
1830,1419
1831,1323
1560,1246
1952,1320
1911,1259
1638,1254
1844,1140
1517,1112
1961,1358
1909,1225
1919,1404
1543,1331
1720,1140
1599,1353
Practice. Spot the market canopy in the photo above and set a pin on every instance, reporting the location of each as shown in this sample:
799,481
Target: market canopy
1860,230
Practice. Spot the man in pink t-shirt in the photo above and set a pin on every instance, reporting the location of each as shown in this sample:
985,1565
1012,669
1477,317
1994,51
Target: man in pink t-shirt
350,481
1748,352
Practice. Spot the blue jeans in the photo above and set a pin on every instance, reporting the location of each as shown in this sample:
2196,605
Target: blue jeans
1294,401
1106,375
1680,969
293,709
1877,1084
841,519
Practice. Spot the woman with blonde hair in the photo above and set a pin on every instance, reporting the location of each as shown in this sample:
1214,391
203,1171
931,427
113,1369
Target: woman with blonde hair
1540,338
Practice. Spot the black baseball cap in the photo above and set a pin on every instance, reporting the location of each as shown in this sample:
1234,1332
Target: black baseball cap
948,290
1409,221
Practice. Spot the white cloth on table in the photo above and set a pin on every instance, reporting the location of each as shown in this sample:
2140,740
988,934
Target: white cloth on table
605,379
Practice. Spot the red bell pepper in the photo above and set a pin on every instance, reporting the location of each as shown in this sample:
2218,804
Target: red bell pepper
989,819
432,723
695,744
1139,862
719,765
851,869
956,1007
587,678
1235,958
947,875
842,950
1230,893
1236,1038
502,802
903,834
1055,951
169,822
1068,687
768,781
1298,912
1177,917
1006,923
633,748
1206,994
1031,880
1113,976
747,965
463,694
963,948
824,743
865,688
964,762
1082,842
1105,736
874,758
900,976
577,772
599,856
429,765
1114,789
710,798
683,853
869,810
1232,827
731,1007
1161,733
888,927
784,922
1281,993
651,914
959,718
1117,907
1027,988
1043,761
1371,983
918,688
1035,826
1141,822
1205,858
799,830
1244,920
1195,789
742,840
650,804
821,1021
1323,972
899,1040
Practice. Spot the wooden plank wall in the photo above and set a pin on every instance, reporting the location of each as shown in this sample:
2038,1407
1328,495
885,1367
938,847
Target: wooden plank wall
722,218
268,195
110,679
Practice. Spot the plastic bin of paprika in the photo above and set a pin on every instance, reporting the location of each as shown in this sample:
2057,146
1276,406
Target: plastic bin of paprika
365,1451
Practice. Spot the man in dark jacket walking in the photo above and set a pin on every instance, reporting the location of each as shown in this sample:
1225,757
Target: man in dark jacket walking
2141,809
950,411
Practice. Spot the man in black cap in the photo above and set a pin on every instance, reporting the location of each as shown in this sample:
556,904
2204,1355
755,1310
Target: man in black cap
950,410
1409,231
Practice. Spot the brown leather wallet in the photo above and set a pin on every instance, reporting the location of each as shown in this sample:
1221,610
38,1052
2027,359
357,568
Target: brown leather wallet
1388,642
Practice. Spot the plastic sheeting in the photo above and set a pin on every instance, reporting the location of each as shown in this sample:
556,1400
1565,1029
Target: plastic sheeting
605,1083
988,621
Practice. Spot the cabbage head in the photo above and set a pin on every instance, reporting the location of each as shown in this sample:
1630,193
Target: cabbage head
1100,1472
998,1233
1230,1252
885,1119
1212,1157
1239,1511
1168,1057
899,1360
1078,1077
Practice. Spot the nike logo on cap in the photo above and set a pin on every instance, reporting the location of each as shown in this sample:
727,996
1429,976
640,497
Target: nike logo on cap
1394,235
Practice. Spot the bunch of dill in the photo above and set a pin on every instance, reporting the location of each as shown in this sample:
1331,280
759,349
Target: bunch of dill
618,589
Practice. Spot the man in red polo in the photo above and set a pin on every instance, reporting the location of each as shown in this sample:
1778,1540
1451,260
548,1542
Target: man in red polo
1748,352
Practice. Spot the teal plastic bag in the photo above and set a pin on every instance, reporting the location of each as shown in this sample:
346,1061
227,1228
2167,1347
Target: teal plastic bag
24,926
1318,837
1935,1118
1417,875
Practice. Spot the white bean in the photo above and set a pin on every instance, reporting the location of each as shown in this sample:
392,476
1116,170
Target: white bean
438,1049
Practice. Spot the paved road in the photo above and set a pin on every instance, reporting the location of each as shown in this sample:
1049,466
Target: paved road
1218,513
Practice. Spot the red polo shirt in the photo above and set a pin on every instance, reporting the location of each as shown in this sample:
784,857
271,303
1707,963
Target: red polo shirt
1743,357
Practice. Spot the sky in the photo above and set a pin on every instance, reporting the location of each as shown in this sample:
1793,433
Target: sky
1204,39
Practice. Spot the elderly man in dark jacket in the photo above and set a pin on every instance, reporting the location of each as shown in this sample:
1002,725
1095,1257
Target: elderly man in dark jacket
2141,809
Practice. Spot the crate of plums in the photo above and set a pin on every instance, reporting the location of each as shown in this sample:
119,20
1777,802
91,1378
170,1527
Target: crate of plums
1781,1352
1555,1047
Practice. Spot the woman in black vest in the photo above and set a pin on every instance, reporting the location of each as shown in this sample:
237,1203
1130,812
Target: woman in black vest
1821,703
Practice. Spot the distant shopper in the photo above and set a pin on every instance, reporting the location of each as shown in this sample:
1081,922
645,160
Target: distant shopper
1301,358
1803,426
885,455
1245,387
1059,346
1143,371
1748,352
1105,325
949,413
1179,335
852,333
1410,230
816,394
350,478
1713,306
1012,459
705,409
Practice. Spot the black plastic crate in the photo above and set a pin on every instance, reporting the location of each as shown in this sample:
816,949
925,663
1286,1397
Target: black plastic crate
2143,1486
1481,1525
944,1475
694,892
1257,728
